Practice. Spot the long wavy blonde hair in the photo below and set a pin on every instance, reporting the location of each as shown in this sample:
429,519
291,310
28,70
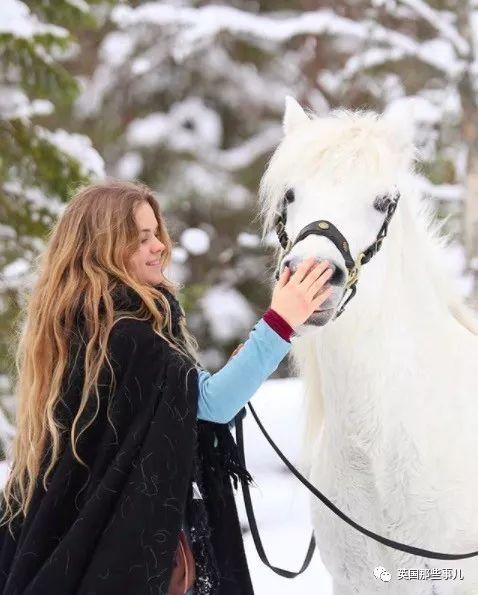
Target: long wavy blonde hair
86,256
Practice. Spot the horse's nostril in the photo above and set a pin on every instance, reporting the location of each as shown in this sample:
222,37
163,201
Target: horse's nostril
338,275
293,264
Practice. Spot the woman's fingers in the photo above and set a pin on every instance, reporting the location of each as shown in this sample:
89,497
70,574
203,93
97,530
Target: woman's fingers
317,279
284,276
320,299
304,268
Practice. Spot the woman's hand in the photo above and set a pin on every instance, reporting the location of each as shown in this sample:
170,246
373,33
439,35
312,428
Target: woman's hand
296,296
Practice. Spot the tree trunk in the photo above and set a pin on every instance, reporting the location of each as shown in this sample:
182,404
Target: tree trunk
471,215
470,137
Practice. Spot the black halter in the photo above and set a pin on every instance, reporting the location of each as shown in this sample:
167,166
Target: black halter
328,229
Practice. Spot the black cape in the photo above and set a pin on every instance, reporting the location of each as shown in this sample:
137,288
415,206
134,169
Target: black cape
113,530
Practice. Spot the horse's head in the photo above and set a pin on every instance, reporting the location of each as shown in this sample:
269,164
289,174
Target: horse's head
344,169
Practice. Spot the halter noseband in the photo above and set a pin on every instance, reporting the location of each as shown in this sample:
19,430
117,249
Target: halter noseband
328,229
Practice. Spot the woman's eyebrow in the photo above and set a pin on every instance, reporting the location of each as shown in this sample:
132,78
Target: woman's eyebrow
150,229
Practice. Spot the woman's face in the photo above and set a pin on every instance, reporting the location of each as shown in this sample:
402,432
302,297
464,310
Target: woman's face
144,263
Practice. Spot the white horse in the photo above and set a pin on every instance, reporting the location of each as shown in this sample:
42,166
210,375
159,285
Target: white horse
391,385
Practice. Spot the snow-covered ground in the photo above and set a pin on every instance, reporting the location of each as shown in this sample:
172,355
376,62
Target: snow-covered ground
280,500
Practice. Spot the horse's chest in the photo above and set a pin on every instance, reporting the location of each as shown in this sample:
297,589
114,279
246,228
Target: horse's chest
349,481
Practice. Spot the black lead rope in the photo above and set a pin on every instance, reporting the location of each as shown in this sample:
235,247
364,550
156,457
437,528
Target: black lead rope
251,516
250,513
327,229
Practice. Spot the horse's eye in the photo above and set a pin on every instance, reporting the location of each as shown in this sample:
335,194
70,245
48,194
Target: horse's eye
289,196
382,202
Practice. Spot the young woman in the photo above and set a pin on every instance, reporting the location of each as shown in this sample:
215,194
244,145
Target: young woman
120,479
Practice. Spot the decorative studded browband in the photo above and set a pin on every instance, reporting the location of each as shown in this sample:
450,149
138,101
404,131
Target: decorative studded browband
327,229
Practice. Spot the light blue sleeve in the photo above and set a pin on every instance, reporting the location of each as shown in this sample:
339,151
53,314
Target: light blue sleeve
223,394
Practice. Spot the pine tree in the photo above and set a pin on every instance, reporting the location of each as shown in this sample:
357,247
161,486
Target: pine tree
38,166
190,98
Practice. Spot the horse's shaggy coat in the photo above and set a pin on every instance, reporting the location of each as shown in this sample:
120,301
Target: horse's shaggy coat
391,385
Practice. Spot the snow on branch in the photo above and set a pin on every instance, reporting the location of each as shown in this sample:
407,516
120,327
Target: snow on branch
80,5
446,192
191,126
15,104
76,146
17,20
438,22
371,58
245,154
202,25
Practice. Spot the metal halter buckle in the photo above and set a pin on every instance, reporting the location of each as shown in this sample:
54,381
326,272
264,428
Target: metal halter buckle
354,273
327,229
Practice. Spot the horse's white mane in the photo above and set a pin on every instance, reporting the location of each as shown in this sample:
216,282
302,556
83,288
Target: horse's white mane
372,145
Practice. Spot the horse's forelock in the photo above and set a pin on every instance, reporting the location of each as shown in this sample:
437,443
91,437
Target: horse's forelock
359,137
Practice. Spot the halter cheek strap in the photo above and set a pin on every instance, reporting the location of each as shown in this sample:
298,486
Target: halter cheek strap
327,229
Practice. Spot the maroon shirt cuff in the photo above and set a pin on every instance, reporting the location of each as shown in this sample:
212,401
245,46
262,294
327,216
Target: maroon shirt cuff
276,322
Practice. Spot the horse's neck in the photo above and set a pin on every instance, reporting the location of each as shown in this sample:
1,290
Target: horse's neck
391,326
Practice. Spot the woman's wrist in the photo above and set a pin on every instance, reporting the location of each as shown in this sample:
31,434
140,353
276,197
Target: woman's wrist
278,323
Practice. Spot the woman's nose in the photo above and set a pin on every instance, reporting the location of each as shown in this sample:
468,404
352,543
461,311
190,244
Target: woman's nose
159,247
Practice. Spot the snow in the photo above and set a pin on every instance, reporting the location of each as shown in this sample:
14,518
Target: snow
205,182
188,126
34,196
209,21
227,312
441,54
248,240
195,240
81,5
16,20
4,471
437,20
130,165
116,48
77,146
179,254
201,26
449,192
93,91
245,154
15,269
148,131
15,104
237,197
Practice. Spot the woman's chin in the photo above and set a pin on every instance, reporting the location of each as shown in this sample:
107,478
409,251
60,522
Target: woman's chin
150,279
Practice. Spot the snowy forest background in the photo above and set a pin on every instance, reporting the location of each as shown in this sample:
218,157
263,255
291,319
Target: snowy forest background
188,97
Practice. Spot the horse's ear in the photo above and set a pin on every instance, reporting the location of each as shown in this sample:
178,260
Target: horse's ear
294,115
400,124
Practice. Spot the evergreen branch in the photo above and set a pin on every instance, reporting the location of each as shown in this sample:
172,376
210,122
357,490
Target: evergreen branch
69,13
39,74
37,161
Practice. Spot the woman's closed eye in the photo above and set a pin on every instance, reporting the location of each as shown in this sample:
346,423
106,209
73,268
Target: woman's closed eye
145,239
